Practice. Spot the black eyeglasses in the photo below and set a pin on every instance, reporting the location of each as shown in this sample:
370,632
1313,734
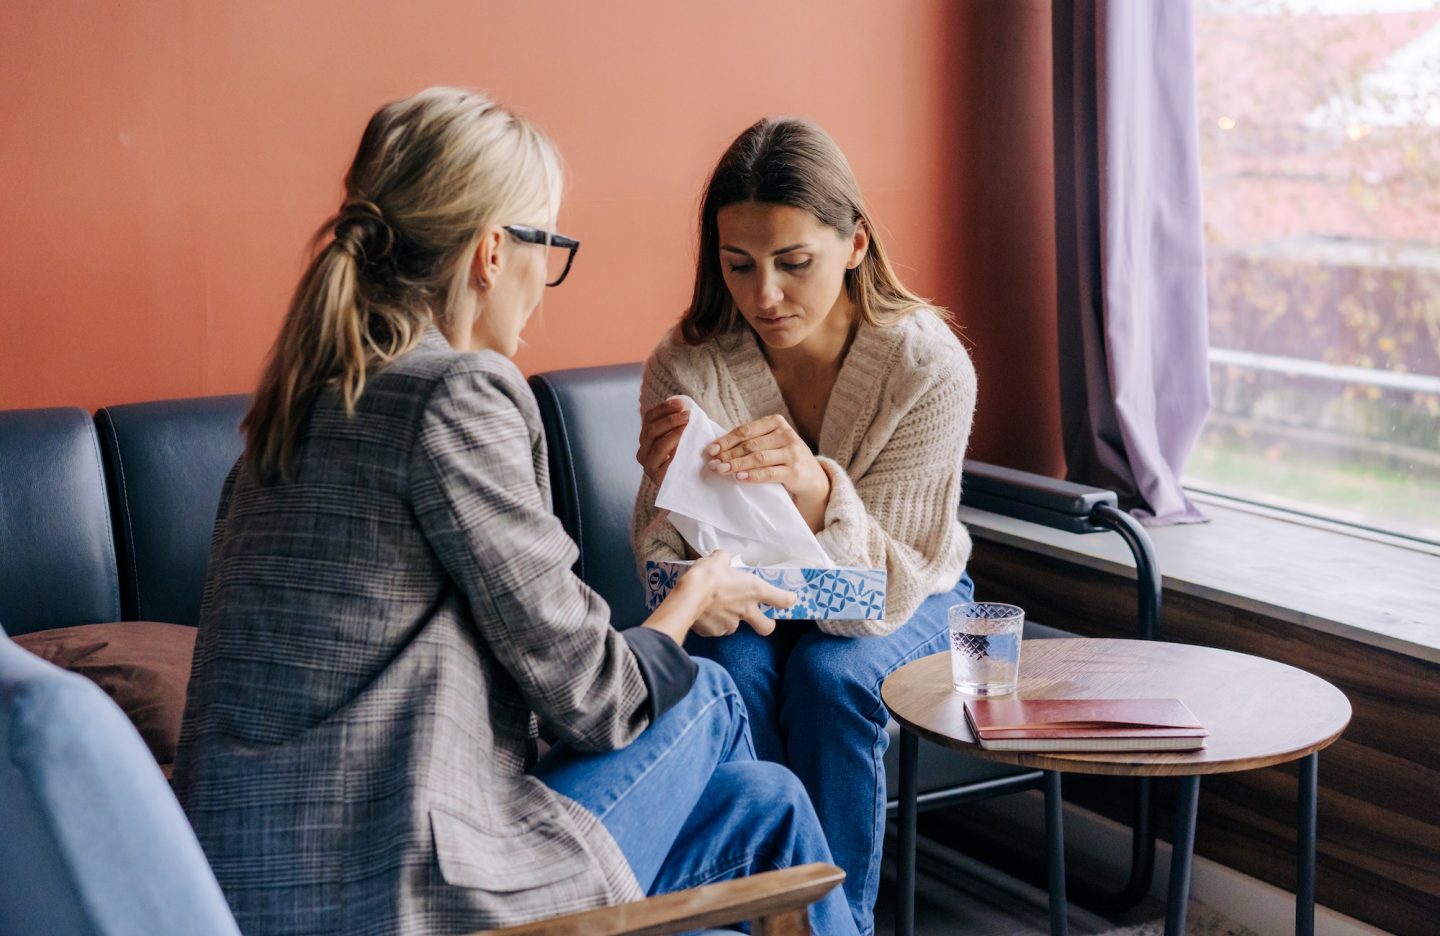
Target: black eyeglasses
532,235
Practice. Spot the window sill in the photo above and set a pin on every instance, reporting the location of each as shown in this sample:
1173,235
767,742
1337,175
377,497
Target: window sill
1364,587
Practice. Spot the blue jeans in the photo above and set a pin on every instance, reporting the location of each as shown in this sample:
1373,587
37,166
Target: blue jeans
814,704
689,804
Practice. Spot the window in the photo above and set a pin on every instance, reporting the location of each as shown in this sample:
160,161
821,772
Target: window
1320,161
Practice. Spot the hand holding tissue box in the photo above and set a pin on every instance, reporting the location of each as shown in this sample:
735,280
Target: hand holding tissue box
760,526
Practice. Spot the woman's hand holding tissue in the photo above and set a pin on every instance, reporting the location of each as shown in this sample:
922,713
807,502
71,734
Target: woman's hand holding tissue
769,449
660,430
714,597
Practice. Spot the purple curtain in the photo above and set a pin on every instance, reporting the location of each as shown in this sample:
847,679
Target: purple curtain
1135,382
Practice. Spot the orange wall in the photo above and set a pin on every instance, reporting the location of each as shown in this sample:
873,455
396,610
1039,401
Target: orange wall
163,162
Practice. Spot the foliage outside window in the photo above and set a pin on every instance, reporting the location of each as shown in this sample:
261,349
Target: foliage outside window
1320,159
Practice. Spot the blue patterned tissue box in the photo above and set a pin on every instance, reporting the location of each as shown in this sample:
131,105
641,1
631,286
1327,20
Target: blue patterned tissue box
823,594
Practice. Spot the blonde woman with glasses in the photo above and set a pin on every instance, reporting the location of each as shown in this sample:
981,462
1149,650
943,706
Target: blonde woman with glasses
389,603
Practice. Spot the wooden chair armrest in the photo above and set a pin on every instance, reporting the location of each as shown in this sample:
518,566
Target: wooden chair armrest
771,893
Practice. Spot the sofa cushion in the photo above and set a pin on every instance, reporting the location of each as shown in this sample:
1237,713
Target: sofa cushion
166,463
57,552
143,665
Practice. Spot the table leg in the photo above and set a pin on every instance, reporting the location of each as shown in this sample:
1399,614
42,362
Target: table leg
905,873
1305,846
1055,848
1178,901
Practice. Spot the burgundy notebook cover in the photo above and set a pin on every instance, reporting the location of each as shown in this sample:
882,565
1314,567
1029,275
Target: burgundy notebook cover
1010,717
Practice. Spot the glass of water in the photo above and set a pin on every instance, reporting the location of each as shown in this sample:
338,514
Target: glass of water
985,647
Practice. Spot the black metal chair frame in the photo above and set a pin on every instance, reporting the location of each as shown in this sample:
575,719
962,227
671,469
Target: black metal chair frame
1073,508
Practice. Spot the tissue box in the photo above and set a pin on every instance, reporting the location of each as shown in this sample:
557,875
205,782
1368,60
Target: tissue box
823,594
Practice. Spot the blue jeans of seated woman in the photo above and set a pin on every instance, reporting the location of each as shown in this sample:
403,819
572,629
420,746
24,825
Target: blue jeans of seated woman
688,803
814,705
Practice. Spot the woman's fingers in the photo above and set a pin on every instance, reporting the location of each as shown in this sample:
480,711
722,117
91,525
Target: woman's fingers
772,448
660,434
769,461
740,596
779,466
708,627
766,451
723,447
662,419
654,466
667,405
657,457
767,594
758,622
777,597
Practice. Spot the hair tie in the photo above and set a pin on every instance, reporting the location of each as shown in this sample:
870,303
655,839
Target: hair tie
361,229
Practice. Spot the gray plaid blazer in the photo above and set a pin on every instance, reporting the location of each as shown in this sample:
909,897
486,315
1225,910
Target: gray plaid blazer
374,637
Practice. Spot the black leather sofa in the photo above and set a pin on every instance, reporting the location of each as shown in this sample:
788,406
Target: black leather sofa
105,528
109,519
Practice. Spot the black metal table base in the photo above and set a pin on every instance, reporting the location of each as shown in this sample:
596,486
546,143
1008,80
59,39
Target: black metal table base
1181,857
905,818
1055,853
1305,846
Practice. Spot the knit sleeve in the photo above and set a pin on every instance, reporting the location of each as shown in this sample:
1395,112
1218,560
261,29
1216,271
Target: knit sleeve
900,515
651,535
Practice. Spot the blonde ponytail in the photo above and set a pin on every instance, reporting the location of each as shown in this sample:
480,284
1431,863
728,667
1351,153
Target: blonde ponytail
431,171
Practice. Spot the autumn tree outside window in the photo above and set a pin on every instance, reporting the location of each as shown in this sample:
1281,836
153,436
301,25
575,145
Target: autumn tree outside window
1320,162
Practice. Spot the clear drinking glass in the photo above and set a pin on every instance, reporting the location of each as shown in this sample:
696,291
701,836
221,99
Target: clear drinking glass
985,647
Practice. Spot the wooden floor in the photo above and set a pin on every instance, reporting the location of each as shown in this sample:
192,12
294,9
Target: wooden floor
957,895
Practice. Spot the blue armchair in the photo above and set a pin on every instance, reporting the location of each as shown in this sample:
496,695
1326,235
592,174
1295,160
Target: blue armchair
95,842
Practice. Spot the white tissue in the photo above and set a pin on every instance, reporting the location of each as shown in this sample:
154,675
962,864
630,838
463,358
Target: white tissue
757,523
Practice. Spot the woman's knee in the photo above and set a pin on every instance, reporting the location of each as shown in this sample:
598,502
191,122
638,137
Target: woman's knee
852,668
712,679
830,672
756,816
767,794
715,692
747,658
739,652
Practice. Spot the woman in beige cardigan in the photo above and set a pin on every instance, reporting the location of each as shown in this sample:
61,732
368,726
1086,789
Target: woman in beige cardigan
852,392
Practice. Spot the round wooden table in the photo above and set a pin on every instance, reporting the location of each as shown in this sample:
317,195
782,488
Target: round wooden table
1258,713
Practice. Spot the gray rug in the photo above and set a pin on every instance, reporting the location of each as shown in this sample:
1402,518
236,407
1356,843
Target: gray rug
1200,920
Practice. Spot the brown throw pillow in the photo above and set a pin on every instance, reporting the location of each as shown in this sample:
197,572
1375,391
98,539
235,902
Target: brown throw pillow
142,665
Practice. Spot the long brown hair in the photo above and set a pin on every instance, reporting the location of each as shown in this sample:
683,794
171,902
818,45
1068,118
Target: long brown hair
430,173
788,161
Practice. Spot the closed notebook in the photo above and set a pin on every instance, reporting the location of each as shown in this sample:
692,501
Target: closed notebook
1014,724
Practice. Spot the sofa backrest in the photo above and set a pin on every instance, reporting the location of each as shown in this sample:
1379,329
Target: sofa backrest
166,463
57,554
592,426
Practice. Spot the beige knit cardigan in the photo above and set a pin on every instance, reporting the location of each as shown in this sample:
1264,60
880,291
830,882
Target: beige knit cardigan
892,441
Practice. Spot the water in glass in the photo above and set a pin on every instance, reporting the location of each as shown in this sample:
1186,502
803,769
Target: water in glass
985,647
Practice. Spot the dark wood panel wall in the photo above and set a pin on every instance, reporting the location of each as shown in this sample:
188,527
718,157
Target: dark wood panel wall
1379,805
